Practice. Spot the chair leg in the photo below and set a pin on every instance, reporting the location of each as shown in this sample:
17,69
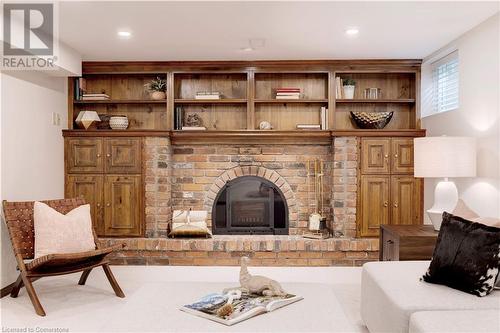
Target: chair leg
112,281
84,277
17,286
32,294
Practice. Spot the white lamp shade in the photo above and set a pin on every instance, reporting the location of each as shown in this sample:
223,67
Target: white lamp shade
445,156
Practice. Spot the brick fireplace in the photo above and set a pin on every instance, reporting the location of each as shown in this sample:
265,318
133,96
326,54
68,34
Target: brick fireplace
180,176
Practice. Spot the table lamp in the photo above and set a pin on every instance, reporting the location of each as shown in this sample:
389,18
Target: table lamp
444,157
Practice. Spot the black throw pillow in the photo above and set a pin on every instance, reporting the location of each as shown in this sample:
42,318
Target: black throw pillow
466,256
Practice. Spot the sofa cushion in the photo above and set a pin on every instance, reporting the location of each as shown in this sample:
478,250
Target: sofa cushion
466,257
478,321
392,291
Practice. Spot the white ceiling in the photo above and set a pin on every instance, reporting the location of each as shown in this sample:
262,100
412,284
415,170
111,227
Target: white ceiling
292,30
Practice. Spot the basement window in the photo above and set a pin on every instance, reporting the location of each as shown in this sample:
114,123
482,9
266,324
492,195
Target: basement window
445,83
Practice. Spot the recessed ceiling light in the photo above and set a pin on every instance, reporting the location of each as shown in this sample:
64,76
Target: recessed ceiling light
124,34
247,49
352,31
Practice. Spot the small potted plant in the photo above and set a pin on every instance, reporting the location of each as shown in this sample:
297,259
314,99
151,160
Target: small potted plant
349,85
157,88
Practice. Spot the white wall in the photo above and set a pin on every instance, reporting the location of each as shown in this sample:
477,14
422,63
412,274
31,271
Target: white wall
32,149
478,115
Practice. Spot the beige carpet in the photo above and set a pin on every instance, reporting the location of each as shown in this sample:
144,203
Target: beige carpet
154,294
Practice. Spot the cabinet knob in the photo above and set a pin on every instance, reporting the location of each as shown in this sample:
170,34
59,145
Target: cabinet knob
396,205
98,155
108,204
108,155
386,156
98,205
386,204
395,155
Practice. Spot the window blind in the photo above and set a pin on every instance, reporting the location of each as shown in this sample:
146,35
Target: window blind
445,83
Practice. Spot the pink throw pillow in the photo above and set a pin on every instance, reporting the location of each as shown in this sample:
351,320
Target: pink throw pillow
490,221
462,210
56,233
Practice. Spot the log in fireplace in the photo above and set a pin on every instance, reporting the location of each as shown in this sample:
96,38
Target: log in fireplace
250,205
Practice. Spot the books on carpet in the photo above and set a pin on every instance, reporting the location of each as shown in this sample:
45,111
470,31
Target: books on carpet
247,306
208,95
288,93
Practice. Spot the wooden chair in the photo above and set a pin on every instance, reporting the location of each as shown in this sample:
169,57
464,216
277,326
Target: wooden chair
19,220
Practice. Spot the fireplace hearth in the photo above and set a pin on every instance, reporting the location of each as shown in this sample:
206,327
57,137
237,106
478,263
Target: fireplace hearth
250,205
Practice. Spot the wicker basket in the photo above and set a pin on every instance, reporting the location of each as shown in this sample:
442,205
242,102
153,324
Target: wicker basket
371,120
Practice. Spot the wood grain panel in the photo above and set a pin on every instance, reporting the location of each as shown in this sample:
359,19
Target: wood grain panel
375,154
84,155
230,85
122,197
285,117
374,205
406,203
402,156
89,187
123,155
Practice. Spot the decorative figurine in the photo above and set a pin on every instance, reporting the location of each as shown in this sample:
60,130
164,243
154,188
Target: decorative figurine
194,120
265,125
256,284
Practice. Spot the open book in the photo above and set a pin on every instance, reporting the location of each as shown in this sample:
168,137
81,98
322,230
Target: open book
248,306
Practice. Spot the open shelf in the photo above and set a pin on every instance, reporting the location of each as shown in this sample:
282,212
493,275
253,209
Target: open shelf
211,101
281,101
364,100
122,101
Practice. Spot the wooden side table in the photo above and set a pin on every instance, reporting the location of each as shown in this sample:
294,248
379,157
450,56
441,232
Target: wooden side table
407,242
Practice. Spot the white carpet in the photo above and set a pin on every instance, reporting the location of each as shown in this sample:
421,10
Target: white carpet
154,294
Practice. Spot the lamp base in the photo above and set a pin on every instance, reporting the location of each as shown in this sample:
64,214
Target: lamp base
445,200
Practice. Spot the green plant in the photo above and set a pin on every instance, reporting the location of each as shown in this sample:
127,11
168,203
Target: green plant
349,82
157,84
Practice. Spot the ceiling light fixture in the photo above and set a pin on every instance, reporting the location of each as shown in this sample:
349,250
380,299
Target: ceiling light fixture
352,31
124,34
247,49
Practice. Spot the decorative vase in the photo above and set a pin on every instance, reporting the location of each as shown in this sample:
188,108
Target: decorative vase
158,95
118,122
349,92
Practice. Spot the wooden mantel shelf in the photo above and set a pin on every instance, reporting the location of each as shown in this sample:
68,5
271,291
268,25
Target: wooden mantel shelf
246,136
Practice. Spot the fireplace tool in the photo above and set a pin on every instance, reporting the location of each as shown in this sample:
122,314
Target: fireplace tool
314,183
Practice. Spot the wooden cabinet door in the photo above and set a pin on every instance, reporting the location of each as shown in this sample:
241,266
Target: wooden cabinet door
122,205
402,156
406,200
89,188
123,155
374,205
84,155
375,156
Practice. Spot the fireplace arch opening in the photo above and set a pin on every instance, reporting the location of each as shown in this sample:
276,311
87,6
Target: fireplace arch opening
250,205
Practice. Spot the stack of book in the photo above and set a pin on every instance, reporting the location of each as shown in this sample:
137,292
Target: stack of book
94,97
288,93
208,95
308,127
80,87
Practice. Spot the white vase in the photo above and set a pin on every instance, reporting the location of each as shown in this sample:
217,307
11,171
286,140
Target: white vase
118,123
349,92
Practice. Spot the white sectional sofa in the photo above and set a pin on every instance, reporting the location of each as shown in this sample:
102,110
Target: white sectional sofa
393,299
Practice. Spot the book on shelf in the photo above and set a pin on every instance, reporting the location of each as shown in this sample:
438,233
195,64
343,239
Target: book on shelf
178,116
288,93
308,127
324,118
339,91
194,128
208,95
247,306
288,97
94,97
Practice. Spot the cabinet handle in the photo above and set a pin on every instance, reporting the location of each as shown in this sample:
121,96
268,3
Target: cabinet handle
386,204
98,155
98,205
108,155
395,155
108,204
390,241
386,156
395,205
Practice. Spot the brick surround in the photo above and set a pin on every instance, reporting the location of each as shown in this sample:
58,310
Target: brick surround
190,176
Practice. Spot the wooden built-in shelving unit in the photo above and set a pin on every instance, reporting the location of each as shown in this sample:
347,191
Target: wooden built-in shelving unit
248,93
